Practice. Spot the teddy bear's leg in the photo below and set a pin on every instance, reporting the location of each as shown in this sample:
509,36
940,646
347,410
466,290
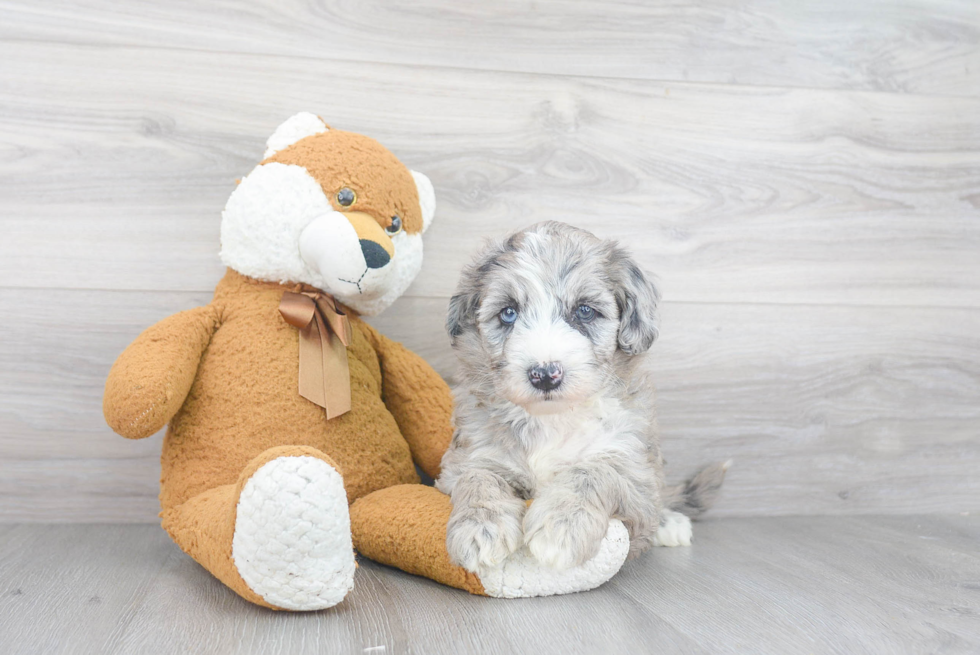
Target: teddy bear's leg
405,526
279,537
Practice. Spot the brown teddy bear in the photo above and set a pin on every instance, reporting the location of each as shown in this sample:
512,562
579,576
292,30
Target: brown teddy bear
283,406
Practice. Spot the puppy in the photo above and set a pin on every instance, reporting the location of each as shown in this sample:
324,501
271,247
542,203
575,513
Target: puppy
550,327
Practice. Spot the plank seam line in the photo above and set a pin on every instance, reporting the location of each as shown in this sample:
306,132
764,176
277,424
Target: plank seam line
496,71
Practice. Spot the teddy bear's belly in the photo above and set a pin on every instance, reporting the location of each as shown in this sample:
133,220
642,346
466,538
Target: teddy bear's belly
245,401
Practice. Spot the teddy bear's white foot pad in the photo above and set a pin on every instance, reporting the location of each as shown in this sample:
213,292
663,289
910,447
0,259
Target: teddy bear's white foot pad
292,542
522,576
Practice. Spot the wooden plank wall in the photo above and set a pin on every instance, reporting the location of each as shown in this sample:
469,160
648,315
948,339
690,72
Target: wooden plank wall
805,180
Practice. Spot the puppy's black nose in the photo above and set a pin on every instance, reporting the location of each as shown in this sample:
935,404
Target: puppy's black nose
546,377
374,255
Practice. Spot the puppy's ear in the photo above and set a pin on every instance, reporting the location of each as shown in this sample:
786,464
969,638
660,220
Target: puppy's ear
639,324
465,303
462,314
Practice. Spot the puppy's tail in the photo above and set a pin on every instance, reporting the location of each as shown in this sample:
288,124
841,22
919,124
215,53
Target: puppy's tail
695,496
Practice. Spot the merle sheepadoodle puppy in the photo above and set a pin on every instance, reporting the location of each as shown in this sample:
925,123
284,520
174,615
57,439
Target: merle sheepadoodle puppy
551,326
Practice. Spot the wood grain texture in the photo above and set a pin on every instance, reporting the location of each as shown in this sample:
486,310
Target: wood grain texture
789,585
58,459
917,46
804,180
731,194
823,409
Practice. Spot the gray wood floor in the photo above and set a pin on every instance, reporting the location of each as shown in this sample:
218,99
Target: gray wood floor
786,585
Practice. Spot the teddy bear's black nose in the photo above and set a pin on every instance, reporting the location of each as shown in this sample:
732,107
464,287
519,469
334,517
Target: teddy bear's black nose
374,255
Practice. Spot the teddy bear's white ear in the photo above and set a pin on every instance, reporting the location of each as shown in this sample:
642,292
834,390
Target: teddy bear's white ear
427,198
298,127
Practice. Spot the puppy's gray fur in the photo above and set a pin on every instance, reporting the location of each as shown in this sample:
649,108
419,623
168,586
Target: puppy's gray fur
586,451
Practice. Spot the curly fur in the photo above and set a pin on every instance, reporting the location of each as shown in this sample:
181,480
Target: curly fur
586,451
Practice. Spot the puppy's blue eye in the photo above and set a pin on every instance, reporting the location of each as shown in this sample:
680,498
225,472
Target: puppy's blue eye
395,227
585,313
508,315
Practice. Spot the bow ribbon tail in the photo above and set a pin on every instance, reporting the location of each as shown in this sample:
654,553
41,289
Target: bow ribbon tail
324,333
335,326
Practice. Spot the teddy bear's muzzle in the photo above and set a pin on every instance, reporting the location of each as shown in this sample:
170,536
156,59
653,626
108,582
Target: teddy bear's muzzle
350,252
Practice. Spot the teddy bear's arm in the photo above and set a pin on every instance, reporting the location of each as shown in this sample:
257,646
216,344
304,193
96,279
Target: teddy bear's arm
418,398
151,378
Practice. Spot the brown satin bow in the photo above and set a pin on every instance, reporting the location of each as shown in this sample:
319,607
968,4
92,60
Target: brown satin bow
324,334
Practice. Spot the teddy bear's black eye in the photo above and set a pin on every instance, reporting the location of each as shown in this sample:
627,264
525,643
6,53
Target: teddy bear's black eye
346,197
585,313
395,227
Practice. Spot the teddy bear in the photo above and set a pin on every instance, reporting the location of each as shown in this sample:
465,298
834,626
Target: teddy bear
294,427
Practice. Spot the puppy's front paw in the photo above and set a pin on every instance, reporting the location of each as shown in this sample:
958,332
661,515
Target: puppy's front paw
478,537
563,538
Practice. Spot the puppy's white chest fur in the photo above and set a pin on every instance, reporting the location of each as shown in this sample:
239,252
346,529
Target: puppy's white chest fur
559,441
